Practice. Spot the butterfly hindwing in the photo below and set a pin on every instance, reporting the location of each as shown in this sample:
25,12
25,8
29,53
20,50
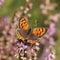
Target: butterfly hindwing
32,41
19,36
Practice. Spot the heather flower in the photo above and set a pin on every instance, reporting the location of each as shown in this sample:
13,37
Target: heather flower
30,5
27,9
44,11
1,2
51,55
21,8
27,1
42,6
51,30
54,18
29,15
17,14
51,41
25,12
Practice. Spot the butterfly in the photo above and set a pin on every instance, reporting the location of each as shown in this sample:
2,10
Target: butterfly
27,34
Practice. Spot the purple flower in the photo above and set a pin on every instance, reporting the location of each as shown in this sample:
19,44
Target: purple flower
51,41
51,30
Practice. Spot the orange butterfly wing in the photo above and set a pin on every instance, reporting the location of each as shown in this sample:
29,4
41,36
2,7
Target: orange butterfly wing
23,23
19,36
32,41
39,31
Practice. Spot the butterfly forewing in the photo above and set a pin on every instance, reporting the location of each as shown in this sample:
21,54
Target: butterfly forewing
23,23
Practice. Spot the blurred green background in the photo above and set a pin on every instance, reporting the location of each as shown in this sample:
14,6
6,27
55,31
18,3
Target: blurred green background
10,6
